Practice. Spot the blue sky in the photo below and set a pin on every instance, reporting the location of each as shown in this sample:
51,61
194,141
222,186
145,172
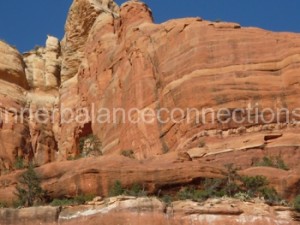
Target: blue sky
27,23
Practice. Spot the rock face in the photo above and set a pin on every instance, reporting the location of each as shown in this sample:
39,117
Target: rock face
131,210
14,135
115,57
218,65
82,15
12,67
28,83
152,211
29,216
162,175
98,175
111,55
43,66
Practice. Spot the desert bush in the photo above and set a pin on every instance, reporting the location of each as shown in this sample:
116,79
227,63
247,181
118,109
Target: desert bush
29,191
194,195
253,185
167,199
281,164
81,199
214,187
230,189
186,193
230,186
297,203
116,189
19,164
77,200
270,195
89,144
128,153
136,190
62,202
275,162
242,196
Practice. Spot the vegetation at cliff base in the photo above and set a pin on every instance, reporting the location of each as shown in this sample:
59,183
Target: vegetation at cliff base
19,163
136,190
232,185
116,189
29,190
77,200
297,203
275,162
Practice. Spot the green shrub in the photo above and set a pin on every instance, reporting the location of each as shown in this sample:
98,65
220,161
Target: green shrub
242,196
258,186
128,153
29,189
253,185
62,202
201,195
275,162
266,162
19,164
116,189
270,195
167,199
77,200
281,164
136,190
81,199
193,194
230,187
297,203
185,193
89,144
243,188
214,187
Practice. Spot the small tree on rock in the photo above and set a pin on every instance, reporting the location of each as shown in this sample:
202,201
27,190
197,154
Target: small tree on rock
29,190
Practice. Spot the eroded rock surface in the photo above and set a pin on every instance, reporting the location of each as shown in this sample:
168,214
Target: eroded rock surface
130,210
12,66
117,57
138,58
14,134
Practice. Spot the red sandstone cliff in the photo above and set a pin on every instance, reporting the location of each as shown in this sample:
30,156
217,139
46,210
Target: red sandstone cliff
117,57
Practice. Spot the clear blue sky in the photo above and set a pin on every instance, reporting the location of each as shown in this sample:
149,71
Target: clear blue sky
26,23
